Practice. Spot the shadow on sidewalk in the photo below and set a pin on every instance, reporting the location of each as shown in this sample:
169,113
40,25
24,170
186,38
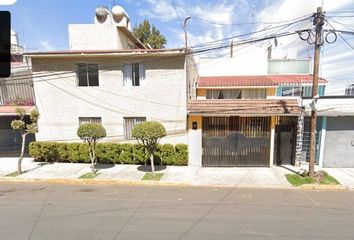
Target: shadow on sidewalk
147,168
104,166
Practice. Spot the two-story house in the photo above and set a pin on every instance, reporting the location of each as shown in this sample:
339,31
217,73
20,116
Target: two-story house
108,76
249,117
15,91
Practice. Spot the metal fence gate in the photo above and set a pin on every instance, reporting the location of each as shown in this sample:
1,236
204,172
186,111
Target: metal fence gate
236,141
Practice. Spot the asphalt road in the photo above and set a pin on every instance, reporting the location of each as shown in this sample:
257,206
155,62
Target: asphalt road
40,211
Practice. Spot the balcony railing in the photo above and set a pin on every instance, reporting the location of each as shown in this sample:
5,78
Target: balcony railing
288,66
14,92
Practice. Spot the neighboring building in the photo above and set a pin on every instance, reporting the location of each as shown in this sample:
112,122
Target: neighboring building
118,84
238,121
15,91
335,130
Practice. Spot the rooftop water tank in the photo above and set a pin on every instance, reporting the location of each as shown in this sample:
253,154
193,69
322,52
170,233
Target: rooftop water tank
118,13
102,14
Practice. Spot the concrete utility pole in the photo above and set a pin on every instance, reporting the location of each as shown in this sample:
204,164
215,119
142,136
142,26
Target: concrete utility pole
318,22
185,33
188,84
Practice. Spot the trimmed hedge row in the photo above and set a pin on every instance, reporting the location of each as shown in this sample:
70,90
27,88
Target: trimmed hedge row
118,153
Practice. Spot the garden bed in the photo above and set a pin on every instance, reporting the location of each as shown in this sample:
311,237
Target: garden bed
320,178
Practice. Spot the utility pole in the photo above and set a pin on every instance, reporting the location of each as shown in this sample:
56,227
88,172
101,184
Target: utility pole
188,84
185,33
318,22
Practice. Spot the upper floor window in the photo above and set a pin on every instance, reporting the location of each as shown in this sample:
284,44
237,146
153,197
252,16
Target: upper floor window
236,94
133,74
87,75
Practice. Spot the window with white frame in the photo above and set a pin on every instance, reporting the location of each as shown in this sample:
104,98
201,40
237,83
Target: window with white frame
236,94
134,74
83,120
129,123
87,75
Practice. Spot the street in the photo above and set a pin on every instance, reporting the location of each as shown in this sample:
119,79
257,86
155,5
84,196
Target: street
54,211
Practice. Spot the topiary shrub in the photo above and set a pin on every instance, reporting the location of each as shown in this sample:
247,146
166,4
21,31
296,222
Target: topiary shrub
91,133
149,134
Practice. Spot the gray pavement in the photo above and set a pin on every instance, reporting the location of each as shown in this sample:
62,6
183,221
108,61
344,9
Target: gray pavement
273,177
344,175
74,212
241,177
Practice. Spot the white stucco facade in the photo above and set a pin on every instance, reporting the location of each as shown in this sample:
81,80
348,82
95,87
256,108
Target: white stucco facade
60,101
250,60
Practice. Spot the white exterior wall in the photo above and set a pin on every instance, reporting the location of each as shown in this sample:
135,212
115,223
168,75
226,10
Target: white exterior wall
61,102
97,37
195,150
251,60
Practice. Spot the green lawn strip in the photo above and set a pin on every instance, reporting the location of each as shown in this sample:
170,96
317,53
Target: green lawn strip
150,177
13,174
89,176
297,180
329,180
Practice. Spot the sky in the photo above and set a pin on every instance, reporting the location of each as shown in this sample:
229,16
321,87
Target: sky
42,25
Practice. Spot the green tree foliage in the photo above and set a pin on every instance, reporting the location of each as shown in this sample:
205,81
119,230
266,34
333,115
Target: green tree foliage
149,35
91,133
25,128
149,134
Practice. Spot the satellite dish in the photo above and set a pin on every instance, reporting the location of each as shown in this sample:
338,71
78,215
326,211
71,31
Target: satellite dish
101,14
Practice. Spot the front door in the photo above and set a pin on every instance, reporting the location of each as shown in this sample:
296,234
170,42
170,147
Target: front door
285,140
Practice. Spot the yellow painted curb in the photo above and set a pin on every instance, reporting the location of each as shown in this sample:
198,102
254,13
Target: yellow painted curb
92,181
322,187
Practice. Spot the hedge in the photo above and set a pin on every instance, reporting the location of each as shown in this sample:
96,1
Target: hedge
117,153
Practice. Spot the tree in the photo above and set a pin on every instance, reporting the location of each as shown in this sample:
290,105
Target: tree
149,35
25,128
92,133
149,134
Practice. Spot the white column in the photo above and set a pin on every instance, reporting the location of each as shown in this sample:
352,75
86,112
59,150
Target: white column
272,139
323,138
195,147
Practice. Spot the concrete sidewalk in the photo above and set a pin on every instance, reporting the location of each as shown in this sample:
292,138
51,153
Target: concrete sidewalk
273,177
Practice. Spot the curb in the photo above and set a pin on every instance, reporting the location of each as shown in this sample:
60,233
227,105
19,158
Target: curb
322,187
166,184
93,182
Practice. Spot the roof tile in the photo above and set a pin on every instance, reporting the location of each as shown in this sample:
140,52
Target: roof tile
262,80
244,106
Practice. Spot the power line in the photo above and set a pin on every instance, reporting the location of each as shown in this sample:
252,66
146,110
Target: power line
251,23
114,64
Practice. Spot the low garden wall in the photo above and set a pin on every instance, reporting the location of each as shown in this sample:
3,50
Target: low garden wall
108,153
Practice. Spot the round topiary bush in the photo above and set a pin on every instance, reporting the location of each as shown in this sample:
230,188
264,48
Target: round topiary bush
91,133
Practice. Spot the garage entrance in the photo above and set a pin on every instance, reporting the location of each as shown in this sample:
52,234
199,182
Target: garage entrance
236,141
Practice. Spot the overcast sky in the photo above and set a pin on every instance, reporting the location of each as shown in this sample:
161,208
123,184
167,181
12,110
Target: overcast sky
42,24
